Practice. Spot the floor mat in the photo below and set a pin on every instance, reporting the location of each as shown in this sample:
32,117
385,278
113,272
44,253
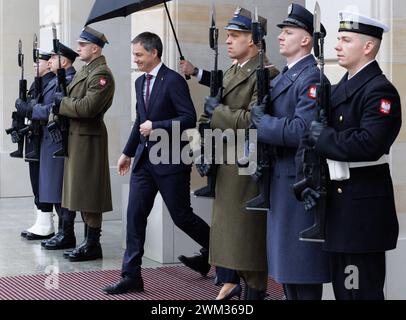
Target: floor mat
162,283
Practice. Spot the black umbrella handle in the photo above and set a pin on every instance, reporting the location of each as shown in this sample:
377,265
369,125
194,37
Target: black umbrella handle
176,38
181,58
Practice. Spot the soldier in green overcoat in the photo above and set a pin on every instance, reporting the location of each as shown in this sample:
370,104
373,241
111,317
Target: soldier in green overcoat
238,236
86,185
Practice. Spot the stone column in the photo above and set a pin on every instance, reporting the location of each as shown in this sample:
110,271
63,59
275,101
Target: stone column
394,13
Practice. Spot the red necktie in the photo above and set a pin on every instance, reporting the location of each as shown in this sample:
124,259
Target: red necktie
149,77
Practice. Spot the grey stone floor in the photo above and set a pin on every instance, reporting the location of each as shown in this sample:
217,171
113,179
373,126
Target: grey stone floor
21,257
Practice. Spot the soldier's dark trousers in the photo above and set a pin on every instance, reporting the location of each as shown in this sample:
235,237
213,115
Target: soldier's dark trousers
175,190
358,276
34,178
303,291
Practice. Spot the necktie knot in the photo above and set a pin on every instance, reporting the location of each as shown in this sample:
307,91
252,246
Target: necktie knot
149,76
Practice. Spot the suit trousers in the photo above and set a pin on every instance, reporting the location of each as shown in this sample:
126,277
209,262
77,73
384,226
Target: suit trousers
358,276
175,190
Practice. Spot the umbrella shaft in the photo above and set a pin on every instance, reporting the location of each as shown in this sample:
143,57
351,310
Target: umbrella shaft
174,33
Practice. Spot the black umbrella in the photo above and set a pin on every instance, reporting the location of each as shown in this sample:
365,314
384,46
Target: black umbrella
108,9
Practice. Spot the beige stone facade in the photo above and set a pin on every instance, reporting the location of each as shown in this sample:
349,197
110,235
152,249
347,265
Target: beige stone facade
21,18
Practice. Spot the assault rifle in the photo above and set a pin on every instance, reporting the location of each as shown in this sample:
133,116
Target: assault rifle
314,166
17,120
216,87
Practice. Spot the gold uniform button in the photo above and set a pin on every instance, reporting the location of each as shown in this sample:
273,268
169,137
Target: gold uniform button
340,191
341,119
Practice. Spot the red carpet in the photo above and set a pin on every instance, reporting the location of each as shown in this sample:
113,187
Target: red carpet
163,283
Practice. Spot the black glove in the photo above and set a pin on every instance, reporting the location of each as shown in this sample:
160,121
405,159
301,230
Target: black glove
257,112
316,128
57,102
203,167
55,132
309,197
30,107
210,103
23,108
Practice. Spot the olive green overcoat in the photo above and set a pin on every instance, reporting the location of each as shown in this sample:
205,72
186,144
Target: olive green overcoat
238,236
86,181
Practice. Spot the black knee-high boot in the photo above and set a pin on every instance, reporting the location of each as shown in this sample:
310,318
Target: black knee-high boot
66,238
90,249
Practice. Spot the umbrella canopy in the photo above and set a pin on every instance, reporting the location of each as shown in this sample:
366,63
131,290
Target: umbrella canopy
108,9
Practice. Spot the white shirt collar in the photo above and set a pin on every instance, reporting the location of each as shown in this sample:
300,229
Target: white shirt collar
366,65
154,72
244,63
290,66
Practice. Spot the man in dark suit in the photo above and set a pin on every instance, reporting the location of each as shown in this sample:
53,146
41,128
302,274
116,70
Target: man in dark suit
365,119
163,99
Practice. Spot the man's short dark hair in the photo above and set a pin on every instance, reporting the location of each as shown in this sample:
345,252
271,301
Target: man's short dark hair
149,41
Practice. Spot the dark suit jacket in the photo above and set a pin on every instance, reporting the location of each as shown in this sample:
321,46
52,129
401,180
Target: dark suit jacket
170,101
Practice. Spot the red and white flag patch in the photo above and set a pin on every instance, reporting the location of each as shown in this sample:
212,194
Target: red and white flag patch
385,106
102,82
312,92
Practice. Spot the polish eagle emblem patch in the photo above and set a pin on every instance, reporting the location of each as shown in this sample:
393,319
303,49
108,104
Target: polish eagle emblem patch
102,82
312,92
385,106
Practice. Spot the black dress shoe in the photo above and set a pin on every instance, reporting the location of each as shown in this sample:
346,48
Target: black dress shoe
197,263
24,233
125,285
86,252
33,236
66,253
60,241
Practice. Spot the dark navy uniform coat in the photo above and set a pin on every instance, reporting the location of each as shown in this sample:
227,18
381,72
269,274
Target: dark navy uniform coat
365,121
293,108
51,170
